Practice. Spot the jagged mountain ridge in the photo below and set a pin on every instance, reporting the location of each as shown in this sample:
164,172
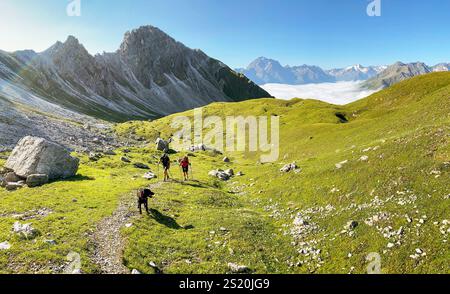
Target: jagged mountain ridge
150,75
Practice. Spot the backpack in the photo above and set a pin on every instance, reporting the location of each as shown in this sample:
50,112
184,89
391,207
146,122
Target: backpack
165,160
184,162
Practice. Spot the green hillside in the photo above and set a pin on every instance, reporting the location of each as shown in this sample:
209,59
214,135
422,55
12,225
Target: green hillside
393,182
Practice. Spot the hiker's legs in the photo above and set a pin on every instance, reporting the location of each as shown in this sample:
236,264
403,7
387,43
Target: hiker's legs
140,207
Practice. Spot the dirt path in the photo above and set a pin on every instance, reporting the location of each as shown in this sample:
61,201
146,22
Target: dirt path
107,239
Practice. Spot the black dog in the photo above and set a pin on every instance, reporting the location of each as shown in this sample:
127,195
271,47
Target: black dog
143,195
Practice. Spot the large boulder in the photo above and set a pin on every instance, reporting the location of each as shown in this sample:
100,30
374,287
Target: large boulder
34,155
162,145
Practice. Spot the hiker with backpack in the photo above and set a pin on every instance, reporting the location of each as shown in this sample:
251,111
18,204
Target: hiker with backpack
185,164
165,161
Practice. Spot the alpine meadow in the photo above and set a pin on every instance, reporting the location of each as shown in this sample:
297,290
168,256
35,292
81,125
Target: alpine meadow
127,152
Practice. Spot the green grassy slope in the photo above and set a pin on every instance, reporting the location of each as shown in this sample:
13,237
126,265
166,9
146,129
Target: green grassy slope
200,226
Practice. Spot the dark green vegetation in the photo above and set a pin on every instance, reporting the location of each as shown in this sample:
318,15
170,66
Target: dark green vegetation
382,162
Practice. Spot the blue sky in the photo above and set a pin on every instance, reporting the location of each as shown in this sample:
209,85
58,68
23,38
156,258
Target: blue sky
328,33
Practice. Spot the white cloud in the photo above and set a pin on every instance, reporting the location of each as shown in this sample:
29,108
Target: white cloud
340,93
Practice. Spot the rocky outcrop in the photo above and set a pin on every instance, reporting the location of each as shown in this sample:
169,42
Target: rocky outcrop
37,156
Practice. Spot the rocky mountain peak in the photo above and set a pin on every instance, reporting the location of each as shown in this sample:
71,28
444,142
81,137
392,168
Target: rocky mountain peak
146,37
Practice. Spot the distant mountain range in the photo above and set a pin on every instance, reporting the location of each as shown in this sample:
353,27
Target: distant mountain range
265,71
150,75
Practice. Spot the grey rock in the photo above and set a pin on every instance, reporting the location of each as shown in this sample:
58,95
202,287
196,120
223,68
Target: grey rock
36,180
110,152
220,174
238,269
34,155
289,167
341,164
162,145
149,176
141,165
50,242
351,225
230,172
94,156
125,159
5,245
14,186
25,230
12,178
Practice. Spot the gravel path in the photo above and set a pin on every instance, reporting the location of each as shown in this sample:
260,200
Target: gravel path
108,242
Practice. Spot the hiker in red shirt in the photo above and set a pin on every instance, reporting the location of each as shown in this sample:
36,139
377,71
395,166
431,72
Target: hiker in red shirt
184,163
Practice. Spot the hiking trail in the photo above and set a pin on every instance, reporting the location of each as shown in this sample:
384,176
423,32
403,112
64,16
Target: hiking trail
107,240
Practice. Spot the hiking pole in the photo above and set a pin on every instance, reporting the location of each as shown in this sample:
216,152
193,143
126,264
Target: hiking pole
192,173
158,172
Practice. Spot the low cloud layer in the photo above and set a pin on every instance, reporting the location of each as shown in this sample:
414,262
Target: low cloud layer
340,93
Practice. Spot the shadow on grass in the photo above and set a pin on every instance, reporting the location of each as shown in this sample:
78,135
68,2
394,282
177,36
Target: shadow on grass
165,220
192,183
79,178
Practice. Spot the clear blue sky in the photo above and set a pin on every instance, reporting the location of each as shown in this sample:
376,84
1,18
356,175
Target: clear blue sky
328,33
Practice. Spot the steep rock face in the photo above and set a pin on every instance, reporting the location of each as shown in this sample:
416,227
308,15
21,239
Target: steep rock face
151,75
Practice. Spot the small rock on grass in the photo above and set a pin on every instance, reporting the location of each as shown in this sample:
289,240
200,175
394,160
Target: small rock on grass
149,176
50,242
364,158
341,164
141,165
5,245
25,230
135,272
351,225
124,159
14,186
239,269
